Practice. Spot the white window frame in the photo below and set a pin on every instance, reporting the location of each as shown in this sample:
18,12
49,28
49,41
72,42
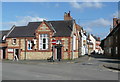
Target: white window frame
91,46
41,37
13,40
109,50
4,37
74,42
10,50
116,50
29,45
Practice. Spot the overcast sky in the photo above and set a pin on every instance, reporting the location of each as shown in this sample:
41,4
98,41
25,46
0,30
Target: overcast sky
94,17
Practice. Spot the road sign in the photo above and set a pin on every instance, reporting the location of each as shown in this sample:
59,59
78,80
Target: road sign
53,42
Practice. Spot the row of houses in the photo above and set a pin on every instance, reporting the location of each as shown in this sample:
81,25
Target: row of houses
111,44
35,41
94,44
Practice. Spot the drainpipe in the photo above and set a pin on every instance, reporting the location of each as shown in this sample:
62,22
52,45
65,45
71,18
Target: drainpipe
25,49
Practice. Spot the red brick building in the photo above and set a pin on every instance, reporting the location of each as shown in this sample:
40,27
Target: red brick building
34,41
3,44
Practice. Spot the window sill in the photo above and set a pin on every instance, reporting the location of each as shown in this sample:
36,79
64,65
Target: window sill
43,50
29,50
13,43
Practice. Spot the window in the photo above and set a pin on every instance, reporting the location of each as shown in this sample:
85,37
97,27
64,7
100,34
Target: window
90,46
10,50
74,42
29,45
116,50
116,39
14,40
4,37
43,41
110,50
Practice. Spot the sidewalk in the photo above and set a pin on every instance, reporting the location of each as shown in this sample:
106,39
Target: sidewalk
113,66
37,62
109,62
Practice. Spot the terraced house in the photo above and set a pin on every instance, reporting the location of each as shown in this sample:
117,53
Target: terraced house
34,41
111,43
3,44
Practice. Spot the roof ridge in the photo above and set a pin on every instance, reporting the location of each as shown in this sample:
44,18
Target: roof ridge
20,26
50,21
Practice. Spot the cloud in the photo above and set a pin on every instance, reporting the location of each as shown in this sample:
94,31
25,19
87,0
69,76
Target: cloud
116,14
89,29
86,5
22,21
101,22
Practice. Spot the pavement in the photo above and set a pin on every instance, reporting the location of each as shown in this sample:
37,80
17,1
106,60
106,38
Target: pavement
109,62
35,62
82,69
113,66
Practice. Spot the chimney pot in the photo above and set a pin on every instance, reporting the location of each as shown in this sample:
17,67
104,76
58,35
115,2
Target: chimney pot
67,16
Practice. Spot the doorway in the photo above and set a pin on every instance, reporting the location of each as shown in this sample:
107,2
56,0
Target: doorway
4,54
58,52
16,52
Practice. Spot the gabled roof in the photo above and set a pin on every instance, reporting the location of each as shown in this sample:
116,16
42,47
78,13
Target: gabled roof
3,33
114,30
62,29
79,28
96,38
19,31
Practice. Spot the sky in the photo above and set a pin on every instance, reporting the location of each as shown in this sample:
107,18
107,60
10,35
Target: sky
94,17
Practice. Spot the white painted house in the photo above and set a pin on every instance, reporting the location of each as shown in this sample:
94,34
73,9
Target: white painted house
96,44
84,49
93,41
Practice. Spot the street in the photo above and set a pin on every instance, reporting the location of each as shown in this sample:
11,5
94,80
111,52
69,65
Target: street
91,69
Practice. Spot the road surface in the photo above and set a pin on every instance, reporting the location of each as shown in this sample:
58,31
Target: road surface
88,70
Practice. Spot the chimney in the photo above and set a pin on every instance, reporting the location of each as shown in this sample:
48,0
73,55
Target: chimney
114,22
67,16
99,38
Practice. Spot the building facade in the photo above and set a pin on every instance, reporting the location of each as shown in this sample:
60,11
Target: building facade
34,41
94,44
84,48
112,41
3,44
91,43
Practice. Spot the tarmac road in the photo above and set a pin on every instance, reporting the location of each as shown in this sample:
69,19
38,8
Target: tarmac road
88,70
